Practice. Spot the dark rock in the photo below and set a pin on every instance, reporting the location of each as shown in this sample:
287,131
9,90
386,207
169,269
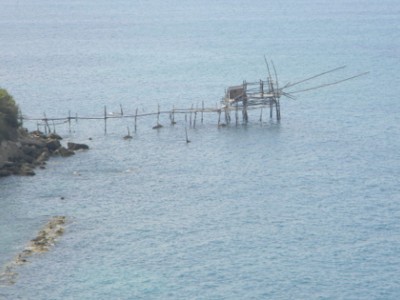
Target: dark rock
64,152
5,173
30,150
43,157
6,164
54,136
37,134
30,159
75,146
26,170
24,153
33,141
21,155
53,145
10,168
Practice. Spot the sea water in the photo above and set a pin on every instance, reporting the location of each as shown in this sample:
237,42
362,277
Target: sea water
304,208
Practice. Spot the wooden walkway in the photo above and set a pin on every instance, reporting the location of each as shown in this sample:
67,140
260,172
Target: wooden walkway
262,94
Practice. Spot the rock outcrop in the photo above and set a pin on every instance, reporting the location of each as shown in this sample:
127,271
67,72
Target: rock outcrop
75,146
29,150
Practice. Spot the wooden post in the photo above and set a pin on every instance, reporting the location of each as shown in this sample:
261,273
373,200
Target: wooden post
190,116
44,122
194,121
261,115
270,108
136,118
278,110
122,111
47,126
262,88
227,116
187,138
69,121
244,113
219,116
244,100
202,110
158,114
237,113
105,119
173,115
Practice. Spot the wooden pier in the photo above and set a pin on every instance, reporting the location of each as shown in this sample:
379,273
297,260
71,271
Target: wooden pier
238,99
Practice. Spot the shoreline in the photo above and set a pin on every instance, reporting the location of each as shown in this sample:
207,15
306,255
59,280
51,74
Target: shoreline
30,150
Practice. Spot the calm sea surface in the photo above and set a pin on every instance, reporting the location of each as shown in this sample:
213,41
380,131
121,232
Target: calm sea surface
308,208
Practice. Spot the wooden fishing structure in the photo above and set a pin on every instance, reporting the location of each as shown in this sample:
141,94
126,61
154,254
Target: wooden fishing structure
267,94
262,94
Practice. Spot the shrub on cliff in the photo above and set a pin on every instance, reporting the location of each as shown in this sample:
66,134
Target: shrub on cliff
8,115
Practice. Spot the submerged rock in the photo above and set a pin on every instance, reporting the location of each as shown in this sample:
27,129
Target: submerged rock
45,239
54,136
47,236
53,145
64,152
76,146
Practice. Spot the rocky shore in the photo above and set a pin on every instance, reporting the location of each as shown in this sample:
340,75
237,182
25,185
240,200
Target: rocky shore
29,150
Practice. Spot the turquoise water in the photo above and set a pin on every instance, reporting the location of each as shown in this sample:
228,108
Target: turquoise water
307,208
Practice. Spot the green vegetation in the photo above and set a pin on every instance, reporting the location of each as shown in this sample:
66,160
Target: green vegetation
8,116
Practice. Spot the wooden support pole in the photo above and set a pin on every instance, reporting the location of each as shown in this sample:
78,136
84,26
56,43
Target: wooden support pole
105,119
190,116
261,115
136,118
158,114
69,121
245,116
122,111
244,112
219,116
262,88
187,138
47,126
173,115
194,121
202,110
270,108
278,110
44,122
237,113
227,116
158,126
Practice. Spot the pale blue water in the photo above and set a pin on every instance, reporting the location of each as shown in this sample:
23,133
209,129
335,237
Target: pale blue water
305,209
